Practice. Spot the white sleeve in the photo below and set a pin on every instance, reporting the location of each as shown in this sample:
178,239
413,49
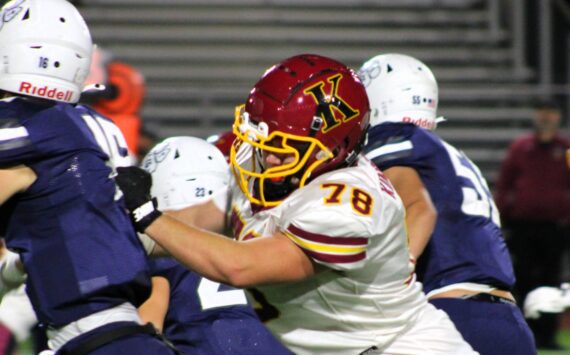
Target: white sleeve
221,199
334,235
147,242
346,252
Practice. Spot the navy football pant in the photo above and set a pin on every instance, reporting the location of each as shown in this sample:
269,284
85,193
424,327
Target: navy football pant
131,344
490,328
227,336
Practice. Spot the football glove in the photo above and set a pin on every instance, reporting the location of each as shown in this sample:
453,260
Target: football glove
547,300
11,275
135,184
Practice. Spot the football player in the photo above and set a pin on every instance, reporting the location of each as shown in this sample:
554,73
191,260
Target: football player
318,228
465,266
86,269
198,315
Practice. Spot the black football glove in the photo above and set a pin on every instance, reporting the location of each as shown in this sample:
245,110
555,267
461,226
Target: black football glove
135,184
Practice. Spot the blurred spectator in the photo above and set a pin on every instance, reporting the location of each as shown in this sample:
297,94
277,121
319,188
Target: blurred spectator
533,195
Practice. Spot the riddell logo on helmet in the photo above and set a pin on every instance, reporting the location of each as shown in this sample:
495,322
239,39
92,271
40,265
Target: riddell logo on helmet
45,91
421,122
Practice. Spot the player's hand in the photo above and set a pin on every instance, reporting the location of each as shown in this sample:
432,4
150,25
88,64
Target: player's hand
546,299
135,184
12,273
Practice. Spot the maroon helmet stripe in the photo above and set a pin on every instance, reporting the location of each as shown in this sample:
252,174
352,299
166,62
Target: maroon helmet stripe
321,238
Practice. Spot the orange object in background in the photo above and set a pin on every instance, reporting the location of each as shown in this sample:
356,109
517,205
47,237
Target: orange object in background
123,106
122,97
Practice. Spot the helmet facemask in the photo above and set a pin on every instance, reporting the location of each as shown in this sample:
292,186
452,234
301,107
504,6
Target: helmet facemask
265,184
304,117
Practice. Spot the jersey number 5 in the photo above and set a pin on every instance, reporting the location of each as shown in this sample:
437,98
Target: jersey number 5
109,137
477,200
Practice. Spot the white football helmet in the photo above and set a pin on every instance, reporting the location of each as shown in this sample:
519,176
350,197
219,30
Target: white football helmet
185,171
45,49
400,88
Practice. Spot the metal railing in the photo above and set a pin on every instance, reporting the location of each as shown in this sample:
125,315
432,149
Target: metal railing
545,86
515,10
519,35
548,89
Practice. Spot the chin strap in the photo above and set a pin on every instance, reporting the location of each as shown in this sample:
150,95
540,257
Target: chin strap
352,156
93,88
276,191
439,120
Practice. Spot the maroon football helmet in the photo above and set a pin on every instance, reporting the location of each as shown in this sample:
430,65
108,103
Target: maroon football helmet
309,107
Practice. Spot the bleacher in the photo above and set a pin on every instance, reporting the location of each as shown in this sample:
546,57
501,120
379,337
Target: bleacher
200,57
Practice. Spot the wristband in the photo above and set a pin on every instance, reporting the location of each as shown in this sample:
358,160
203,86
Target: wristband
145,214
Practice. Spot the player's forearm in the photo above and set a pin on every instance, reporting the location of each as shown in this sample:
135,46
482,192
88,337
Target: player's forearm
154,309
420,219
258,261
15,179
421,214
205,215
212,255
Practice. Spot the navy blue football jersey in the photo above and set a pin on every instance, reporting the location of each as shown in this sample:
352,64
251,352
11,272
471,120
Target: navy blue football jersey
467,244
206,317
70,227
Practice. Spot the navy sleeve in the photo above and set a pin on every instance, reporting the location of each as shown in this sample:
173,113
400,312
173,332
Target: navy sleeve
398,144
33,132
16,146
162,266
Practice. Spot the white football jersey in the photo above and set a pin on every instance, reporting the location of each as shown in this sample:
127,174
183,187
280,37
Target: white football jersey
352,222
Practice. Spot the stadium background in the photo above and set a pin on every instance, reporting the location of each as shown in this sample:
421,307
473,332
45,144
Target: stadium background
200,57
493,58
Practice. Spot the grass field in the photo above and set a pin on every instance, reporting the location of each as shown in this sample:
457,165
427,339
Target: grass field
563,338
